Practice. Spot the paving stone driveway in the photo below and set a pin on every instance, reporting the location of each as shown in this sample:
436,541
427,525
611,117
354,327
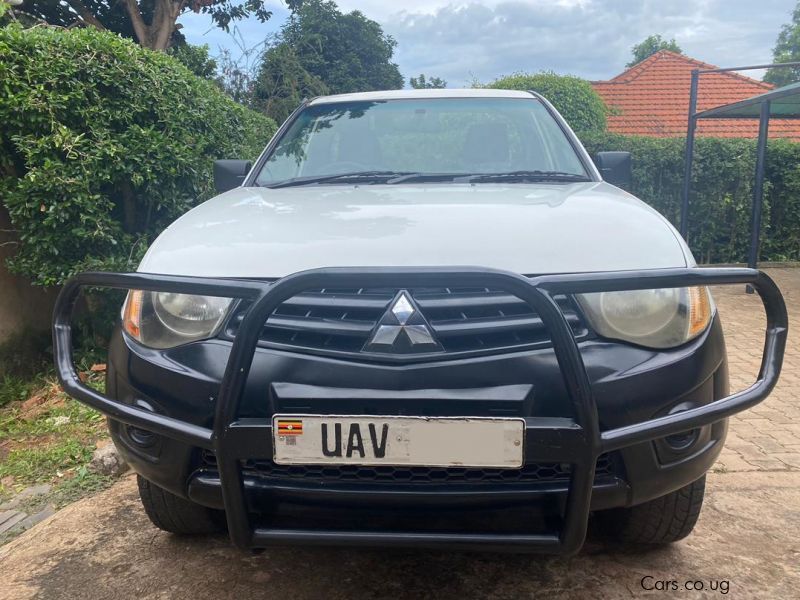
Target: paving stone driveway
745,545
767,437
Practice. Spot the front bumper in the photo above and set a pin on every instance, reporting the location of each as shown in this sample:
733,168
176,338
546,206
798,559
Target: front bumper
236,433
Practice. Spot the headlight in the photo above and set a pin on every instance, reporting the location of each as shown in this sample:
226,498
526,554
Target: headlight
661,318
167,319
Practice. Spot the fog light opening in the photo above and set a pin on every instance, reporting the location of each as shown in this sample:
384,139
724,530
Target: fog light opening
685,439
682,441
141,437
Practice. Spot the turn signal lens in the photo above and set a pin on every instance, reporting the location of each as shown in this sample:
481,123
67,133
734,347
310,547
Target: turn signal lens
699,310
132,314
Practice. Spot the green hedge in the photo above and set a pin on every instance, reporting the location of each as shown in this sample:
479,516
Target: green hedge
722,187
103,144
573,97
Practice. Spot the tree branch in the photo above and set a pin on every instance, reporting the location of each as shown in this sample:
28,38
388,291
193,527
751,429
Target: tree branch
85,14
139,26
163,24
178,7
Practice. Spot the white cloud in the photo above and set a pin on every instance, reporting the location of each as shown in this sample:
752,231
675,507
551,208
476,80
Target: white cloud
590,38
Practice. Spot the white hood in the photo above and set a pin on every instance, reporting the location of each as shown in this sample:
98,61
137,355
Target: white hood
528,229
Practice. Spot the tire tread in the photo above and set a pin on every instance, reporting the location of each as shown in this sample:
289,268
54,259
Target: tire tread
660,521
174,514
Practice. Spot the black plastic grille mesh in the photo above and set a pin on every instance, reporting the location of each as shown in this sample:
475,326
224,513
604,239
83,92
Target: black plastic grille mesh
463,319
539,472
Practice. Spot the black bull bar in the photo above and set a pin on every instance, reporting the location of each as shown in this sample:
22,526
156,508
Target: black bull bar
578,441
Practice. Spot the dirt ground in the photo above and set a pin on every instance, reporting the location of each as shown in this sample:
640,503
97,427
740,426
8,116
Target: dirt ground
745,545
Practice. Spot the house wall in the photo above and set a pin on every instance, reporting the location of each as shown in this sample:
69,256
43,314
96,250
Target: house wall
21,304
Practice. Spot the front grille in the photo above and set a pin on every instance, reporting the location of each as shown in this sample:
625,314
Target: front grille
463,319
326,474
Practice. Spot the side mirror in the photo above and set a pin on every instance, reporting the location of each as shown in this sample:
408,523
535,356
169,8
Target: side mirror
615,167
229,174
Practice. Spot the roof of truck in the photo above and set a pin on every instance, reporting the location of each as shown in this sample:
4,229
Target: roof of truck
431,93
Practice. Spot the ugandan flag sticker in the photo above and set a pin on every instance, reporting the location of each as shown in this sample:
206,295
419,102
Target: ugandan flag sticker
290,427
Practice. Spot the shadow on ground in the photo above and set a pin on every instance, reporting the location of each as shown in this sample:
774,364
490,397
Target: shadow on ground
104,547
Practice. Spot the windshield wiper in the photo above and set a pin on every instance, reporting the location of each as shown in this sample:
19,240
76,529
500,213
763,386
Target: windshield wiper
355,177
395,177
424,177
527,176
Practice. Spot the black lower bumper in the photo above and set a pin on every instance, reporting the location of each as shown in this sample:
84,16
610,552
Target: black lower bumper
577,440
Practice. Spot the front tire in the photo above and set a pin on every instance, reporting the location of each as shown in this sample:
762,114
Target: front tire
178,515
660,521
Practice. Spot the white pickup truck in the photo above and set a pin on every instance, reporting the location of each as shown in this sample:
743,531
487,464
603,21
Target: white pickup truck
422,318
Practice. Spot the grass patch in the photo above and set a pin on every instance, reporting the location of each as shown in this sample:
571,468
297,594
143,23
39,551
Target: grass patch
14,389
83,483
49,438
66,417
41,464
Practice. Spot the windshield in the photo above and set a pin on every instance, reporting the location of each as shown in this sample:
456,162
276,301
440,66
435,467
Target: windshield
429,139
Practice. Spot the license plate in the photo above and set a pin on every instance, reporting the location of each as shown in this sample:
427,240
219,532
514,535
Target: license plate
412,441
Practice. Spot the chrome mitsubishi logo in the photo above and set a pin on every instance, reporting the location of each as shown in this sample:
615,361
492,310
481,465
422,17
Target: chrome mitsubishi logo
402,329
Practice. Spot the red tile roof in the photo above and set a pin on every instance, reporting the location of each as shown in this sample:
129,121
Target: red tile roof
652,99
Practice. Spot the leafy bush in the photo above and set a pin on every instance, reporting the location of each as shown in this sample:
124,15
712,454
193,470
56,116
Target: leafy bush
722,188
103,144
196,59
573,97
782,173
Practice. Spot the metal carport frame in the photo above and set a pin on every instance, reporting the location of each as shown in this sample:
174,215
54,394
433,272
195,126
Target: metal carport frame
783,103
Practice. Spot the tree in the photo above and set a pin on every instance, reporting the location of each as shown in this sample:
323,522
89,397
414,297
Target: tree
196,59
282,83
326,50
149,22
235,78
650,45
573,97
787,49
421,83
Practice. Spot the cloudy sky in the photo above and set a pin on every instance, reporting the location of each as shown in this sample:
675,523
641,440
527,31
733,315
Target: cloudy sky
462,41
